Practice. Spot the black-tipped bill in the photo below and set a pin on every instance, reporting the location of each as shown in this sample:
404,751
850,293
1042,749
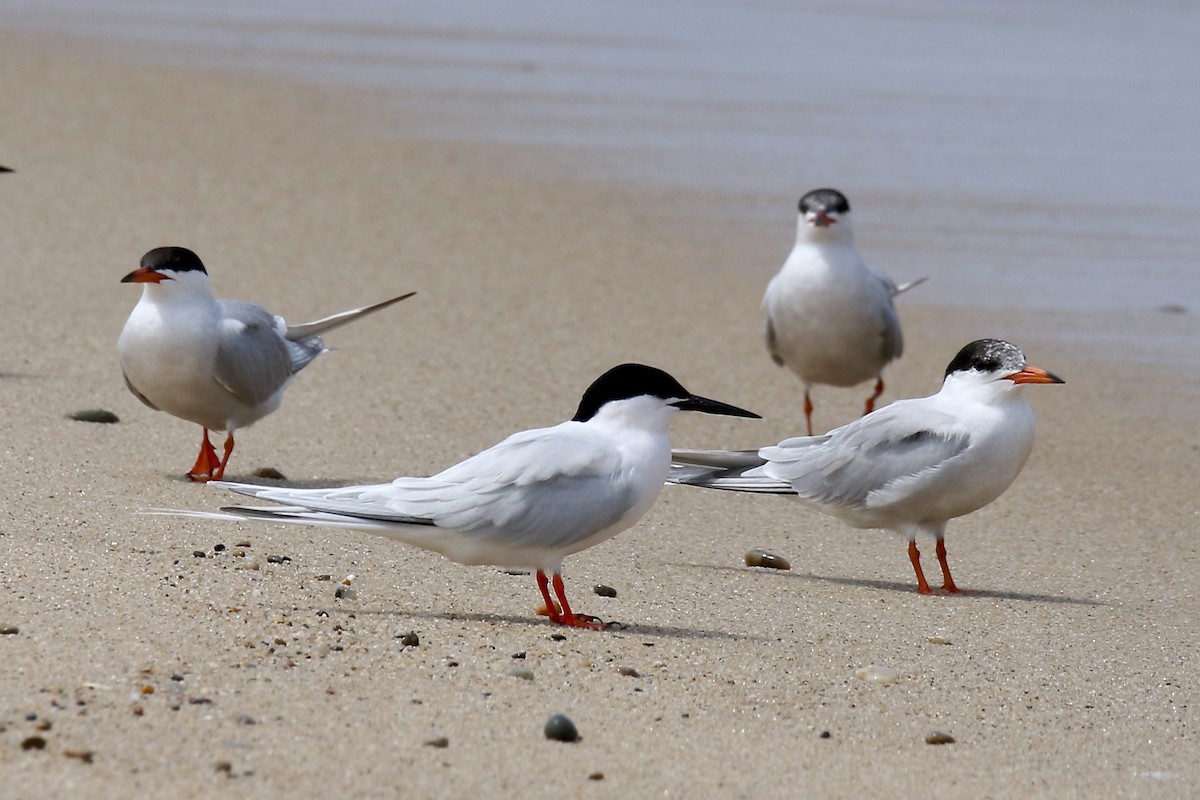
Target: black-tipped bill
1035,375
706,406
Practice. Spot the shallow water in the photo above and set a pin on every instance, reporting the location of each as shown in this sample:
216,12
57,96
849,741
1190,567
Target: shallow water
1019,153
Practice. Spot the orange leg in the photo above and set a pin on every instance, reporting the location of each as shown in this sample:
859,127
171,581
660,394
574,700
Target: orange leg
914,555
220,471
947,581
808,409
565,616
206,462
871,400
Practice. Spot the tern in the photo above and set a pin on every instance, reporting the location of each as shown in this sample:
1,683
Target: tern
528,502
909,467
830,317
222,364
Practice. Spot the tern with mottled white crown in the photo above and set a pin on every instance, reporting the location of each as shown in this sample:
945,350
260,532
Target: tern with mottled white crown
529,501
830,317
222,364
912,465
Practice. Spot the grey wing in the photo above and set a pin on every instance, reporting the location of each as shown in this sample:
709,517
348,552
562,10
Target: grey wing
136,393
507,493
253,359
772,347
892,341
857,465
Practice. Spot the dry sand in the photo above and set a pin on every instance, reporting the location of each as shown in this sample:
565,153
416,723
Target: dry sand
1067,670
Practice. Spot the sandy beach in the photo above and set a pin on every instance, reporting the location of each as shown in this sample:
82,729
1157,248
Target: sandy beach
149,663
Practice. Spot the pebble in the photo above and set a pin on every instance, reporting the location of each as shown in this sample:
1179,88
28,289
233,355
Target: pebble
33,743
521,671
757,557
345,593
278,559
937,640
938,737
596,776
628,672
199,554
559,728
94,415
826,734
409,639
877,674
86,756
438,741
9,630
604,591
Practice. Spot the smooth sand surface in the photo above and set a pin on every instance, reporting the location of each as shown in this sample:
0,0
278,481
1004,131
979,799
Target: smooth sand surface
1068,668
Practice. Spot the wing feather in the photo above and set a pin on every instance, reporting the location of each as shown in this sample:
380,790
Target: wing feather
860,465
546,489
253,359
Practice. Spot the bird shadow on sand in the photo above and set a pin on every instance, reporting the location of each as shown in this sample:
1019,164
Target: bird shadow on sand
285,483
617,627
904,588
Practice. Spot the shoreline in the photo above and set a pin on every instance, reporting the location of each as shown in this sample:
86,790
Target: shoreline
1074,637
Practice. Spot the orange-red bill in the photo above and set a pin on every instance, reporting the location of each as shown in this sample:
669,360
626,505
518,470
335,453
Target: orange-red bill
1035,375
144,275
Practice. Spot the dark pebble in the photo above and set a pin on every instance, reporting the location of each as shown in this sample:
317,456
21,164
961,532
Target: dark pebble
825,734
199,554
278,559
345,593
94,415
628,672
33,743
559,728
217,548
604,591
86,756
410,639
9,630
938,737
558,637
438,741
200,701
596,776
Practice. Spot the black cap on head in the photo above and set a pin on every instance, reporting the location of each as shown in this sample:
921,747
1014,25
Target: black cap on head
178,259
636,380
988,355
829,200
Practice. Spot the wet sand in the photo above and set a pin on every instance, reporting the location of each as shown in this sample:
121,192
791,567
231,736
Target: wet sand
1065,670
